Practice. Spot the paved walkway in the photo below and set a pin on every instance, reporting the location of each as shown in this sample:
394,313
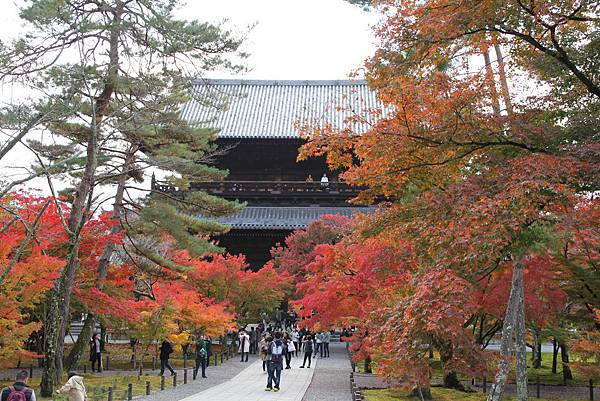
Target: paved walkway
331,381
249,385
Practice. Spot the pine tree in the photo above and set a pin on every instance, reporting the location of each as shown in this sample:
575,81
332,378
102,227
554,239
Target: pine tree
114,72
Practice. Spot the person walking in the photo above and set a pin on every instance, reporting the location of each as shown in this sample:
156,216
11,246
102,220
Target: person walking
19,391
290,348
307,345
202,356
166,349
244,348
275,357
319,344
326,340
96,352
74,387
296,340
263,347
253,340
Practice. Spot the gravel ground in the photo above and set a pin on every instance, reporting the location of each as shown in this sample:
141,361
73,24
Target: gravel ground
331,381
216,375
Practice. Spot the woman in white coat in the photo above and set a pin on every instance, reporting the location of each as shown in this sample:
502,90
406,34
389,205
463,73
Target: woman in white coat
74,387
244,348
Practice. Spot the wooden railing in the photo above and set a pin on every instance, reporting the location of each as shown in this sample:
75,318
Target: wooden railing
268,188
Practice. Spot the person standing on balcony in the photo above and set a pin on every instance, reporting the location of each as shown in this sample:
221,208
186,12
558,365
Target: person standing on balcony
324,181
309,178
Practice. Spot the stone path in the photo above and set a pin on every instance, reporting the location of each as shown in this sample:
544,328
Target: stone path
249,385
216,376
331,380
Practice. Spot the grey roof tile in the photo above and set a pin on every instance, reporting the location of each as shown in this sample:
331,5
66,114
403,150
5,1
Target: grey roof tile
286,217
270,109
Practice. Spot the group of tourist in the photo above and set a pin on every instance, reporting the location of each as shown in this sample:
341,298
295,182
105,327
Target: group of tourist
277,347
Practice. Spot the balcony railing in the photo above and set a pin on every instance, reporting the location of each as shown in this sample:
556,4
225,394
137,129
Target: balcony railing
269,189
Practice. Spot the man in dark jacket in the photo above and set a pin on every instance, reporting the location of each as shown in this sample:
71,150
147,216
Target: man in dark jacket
275,356
165,353
95,352
19,386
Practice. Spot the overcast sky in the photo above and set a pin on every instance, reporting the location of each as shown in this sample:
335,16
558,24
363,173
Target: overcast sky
292,39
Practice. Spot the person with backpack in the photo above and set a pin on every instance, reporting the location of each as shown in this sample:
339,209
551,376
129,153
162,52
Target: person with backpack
289,350
96,352
19,391
202,356
74,387
308,349
166,349
275,357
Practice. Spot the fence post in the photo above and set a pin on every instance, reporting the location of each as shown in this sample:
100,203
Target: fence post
221,358
591,390
84,368
175,380
153,363
215,356
141,372
185,360
30,371
537,386
107,360
162,382
484,384
185,376
147,388
129,392
110,394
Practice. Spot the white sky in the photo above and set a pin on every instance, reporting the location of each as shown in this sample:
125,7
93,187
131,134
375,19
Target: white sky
307,39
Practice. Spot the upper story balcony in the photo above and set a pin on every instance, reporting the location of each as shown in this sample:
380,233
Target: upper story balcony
274,192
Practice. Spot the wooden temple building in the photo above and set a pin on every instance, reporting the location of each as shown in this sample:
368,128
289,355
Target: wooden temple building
257,126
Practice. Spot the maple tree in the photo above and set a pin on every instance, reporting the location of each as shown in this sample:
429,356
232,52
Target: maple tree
479,181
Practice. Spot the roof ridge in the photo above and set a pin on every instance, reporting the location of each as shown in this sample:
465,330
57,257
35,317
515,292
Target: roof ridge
282,82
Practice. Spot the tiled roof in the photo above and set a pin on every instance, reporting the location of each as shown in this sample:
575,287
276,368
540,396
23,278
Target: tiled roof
269,109
284,218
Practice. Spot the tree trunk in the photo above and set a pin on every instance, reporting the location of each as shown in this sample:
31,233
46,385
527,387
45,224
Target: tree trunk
503,81
489,75
537,349
554,354
564,356
508,326
74,357
521,348
72,360
368,368
423,393
50,332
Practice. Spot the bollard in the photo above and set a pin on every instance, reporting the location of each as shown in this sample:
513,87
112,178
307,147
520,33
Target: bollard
30,371
175,380
591,390
129,392
184,360
194,374
84,368
107,360
184,376
153,363
215,356
147,388
141,372
221,358
473,381
110,394
484,385
162,382
537,386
